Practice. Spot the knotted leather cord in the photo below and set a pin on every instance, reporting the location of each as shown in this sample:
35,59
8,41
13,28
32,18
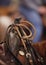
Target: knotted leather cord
15,27
25,36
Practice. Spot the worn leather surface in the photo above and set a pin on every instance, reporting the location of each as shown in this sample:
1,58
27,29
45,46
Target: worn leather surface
5,21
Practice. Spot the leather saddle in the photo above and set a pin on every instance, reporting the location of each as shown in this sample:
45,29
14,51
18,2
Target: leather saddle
5,22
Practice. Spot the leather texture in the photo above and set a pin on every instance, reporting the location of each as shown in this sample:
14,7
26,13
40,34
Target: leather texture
5,21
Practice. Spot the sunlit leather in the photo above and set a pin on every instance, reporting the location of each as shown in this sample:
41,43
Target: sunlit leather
5,21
